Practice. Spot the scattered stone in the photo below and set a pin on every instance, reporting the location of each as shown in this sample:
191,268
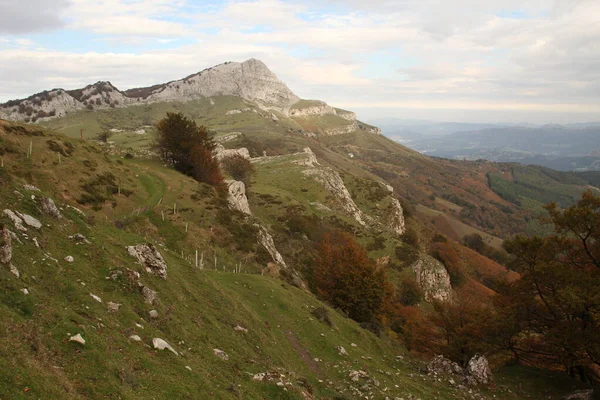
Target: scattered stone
221,354
31,188
188,367
441,365
150,258
135,338
478,371
139,325
15,271
29,220
355,376
342,351
112,306
239,328
153,314
18,194
25,291
15,219
36,243
150,296
49,208
353,344
69,259
77,210
77,338
161,345
259,377
98,299
79,238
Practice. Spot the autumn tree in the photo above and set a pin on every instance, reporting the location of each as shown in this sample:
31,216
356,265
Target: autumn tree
345,277
188,148
558,295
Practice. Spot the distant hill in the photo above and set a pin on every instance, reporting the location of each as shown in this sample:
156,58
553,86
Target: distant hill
554,146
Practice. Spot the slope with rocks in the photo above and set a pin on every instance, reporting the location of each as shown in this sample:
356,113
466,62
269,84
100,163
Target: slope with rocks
161,320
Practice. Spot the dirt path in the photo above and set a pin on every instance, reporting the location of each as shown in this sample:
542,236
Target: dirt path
303,353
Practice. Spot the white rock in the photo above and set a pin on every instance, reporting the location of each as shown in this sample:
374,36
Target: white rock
153,314
353,344
265,238
112,306
69,259
236,196
150,258
25,291
188,367
433,278
49,208
14,271
239,328
6,246
29,220
259,377
30,188
98,299
15,219
478,369
77,338
221,354
341,351
160,344
135,338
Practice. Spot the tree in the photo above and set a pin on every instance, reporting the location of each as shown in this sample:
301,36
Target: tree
558,298
104,136
188,148
239,167
345,277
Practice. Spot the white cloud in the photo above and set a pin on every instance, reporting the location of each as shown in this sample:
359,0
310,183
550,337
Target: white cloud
537,55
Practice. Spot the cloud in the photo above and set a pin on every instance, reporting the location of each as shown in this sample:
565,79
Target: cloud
534,54
19,17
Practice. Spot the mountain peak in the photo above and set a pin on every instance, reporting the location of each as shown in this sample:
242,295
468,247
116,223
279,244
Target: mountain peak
251,80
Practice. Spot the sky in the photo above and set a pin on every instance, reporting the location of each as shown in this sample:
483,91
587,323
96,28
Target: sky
535,61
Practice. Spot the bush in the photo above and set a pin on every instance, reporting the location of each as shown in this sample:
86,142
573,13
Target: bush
239,168
409,292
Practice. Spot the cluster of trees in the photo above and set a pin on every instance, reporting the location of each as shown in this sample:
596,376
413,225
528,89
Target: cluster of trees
550,317
188,148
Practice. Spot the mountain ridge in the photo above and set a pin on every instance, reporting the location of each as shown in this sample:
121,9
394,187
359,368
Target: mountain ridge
251,80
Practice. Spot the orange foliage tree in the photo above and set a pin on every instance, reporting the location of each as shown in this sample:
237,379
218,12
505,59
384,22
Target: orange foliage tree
345,277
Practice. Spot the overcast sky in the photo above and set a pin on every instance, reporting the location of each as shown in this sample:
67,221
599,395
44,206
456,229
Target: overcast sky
462,60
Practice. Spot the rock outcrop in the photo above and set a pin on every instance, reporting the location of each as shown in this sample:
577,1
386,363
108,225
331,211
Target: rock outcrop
441,365
266,240
332,181
396,217
221,152
150,258
49,208
15,219
478,371
432,277
236,196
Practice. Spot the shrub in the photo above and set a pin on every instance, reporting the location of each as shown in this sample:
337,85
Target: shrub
239,168
409,292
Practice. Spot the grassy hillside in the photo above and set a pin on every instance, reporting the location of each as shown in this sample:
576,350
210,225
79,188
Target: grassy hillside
131,201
